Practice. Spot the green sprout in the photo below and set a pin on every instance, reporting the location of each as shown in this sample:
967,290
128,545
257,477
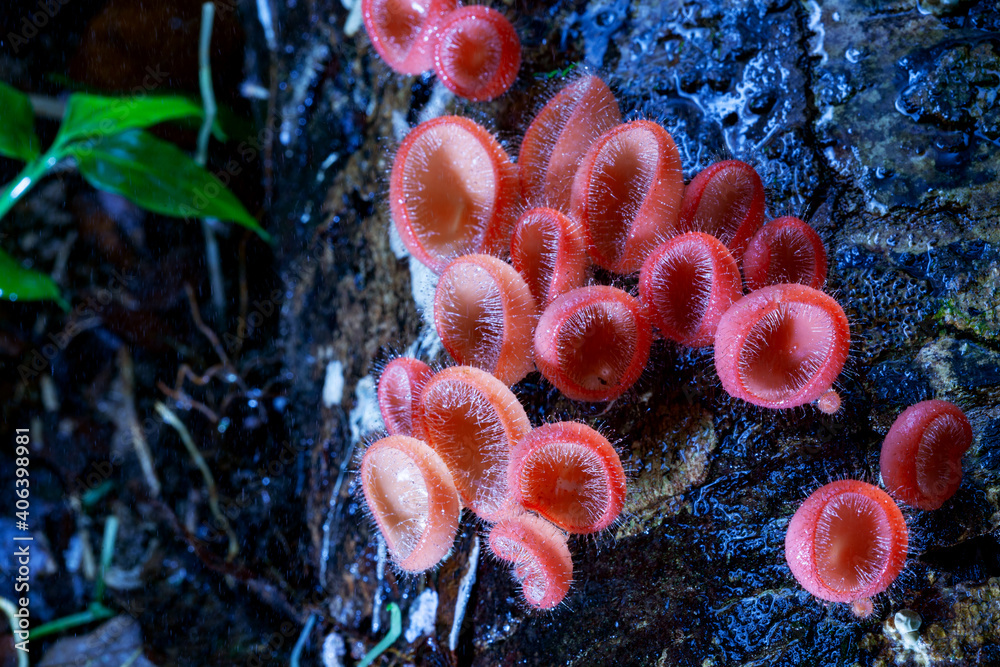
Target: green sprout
395,629
106,140
96,611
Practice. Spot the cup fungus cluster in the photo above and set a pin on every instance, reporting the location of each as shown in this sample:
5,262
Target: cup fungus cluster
588,190
475,448
474,50
592,191
848,541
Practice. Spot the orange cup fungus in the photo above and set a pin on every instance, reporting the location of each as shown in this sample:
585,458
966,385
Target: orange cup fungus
592,343
477,53
540,555
569,474
452,192
726,200
403,31
782,346
472,420
398,393
559,137
921,459
627,194
485,316
846,543
687,284
547,248
413,499
785,250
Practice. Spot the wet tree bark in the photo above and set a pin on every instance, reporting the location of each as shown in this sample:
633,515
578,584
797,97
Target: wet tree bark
878,125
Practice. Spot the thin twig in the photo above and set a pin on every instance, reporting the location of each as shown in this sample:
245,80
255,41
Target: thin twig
180,397
185,372
213,495
201,157
130,421
244,291
301,643
208,333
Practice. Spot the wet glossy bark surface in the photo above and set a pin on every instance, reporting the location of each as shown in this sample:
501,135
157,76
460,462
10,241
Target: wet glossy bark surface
875,125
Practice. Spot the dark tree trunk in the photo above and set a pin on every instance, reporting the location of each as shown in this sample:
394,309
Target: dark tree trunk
876,122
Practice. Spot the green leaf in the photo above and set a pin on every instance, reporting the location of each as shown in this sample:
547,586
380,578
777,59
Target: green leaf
159,177
17,131
20,284
89,115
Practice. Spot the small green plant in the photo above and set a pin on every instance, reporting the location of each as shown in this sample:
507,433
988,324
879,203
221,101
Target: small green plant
105,138
395,629
96,611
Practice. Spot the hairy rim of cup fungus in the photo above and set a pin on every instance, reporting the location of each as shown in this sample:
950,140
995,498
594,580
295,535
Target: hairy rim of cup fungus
472,420
782,346
452,192
540,555
412,497
592,343
485,316
846,543
627,194
726,200
569,474
548,250
477,53
403,31
398,392
687,284
785,250
921,459
559,137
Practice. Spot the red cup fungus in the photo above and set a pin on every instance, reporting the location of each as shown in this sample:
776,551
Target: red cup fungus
398,392
921,460
782,346
485,316
687,284
627,194
473,420
592,343
403,31
846,543
548,250
540,555
785,250
413,499
726,200
569,474
477,53
452,192
559,137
